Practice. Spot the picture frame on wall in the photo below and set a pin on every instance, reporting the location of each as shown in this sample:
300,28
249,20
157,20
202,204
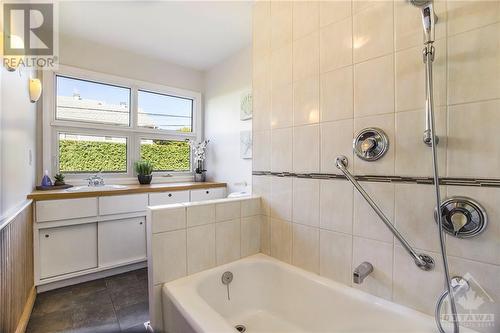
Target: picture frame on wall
246,106
246,144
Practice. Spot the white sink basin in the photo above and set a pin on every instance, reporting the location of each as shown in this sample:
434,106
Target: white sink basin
95,188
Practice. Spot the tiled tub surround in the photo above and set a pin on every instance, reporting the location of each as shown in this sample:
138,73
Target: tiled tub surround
325,70
187,238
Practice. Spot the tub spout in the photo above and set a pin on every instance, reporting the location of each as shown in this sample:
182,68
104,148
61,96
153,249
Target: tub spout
362,271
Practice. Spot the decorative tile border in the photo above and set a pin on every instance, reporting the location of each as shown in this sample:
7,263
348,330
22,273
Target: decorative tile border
482,182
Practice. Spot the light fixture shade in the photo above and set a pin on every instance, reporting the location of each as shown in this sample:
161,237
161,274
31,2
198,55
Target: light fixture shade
35,90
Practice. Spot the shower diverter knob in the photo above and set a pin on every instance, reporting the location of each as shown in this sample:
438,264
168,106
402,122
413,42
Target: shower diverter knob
370,144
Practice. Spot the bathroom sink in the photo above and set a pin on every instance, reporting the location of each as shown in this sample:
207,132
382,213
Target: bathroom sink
95,188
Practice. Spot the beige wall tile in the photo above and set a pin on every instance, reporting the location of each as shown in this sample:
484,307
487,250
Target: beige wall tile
336,205
468,15
251,207
227,241
306,149
384,165
281,198
336,139
306,56
359,5
168,219
281,150
483,279
413,157
261,118
470,152
373,31
427,286
198,214
305,208
281,240
305,253
261,150
331,11
306,101
250,235
281,23
265,235
484,247
200,248
474,65
305,18
380,255
336,94
261,27
366,222
261,185
261,72
169,256
410,78
336,256
227,211
281,66
374,87
414,216
282,106
336,45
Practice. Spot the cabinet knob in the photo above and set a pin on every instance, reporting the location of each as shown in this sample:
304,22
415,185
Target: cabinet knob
207,192
46,236
140,223
169,195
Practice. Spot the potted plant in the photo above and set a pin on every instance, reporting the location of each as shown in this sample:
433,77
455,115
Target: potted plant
199,153
144,171
59,179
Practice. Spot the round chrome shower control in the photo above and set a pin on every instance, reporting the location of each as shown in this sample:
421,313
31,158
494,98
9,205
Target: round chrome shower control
462,217
370,144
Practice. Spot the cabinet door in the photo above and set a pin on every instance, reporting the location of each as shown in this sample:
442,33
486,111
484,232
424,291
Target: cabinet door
208,194
67,249
65,209
122,241
165,198
118,204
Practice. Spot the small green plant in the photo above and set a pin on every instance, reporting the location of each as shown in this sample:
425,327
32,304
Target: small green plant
143,167
59,179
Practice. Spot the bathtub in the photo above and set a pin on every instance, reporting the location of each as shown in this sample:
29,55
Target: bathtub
267,295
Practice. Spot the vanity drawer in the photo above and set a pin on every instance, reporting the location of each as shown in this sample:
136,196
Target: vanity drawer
119,204
65,209
208,194
166,198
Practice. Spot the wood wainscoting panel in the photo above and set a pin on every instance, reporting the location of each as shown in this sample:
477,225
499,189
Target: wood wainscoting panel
17,291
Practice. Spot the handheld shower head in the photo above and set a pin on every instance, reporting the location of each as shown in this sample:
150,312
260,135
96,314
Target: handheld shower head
429,19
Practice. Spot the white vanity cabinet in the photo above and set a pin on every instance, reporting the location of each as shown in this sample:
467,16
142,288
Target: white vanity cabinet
67,249
121,241
78,238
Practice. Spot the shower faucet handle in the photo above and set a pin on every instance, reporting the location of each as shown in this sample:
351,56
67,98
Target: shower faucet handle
367,145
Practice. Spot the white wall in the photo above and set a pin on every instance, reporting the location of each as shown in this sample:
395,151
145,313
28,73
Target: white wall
224,85
104,59
17,140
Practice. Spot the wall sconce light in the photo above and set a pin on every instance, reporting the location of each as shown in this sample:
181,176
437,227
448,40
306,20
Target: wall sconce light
35,87
13,62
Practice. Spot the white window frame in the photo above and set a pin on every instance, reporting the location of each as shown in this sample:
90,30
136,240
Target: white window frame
52,126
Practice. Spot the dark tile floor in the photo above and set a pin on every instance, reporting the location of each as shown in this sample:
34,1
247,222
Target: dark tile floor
114,304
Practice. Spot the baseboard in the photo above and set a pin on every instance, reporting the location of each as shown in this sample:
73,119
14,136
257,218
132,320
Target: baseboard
28,307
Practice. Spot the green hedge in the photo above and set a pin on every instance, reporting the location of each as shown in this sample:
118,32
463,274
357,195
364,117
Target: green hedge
85,156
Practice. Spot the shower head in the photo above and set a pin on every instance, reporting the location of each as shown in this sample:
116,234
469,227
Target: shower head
428,18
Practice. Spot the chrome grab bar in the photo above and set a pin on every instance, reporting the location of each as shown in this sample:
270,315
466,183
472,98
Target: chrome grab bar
423,261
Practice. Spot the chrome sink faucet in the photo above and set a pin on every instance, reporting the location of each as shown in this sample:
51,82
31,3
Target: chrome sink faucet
95,180
361,272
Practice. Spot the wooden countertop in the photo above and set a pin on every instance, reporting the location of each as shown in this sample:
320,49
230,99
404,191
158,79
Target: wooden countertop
129,189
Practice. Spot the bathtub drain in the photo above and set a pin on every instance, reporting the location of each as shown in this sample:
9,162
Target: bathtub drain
240,328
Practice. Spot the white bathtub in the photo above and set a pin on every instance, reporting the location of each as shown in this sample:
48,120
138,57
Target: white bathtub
271,296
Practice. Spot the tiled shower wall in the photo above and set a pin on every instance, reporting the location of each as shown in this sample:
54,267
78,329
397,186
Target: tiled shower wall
325,70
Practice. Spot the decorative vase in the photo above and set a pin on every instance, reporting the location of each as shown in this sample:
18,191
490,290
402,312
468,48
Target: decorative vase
200,172
145,179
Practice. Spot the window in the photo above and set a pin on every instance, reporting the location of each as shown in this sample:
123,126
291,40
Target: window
166,155
89,153
96,122
92,102
165,112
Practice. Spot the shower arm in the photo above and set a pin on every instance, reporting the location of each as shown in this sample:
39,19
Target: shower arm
423,261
